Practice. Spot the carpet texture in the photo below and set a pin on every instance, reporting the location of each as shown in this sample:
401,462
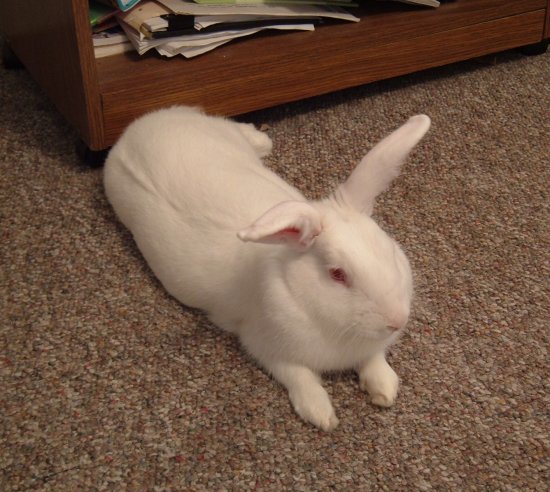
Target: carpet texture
107,383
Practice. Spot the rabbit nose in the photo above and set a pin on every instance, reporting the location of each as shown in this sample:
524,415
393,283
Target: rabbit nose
398,321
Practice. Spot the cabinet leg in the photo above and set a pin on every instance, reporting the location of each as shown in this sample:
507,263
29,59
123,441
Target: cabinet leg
91,158
536,48
9,58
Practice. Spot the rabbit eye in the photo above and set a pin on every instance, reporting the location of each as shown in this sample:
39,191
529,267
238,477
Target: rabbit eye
339,275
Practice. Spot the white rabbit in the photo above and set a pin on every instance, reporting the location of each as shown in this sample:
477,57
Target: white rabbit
327,290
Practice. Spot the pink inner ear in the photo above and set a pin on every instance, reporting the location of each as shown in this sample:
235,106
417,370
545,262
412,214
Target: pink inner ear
292,233
293,223
289,231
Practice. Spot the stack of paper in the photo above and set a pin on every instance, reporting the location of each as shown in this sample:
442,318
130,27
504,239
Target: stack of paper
110,42
190,28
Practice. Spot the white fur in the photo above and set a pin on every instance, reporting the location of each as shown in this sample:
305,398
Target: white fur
200,204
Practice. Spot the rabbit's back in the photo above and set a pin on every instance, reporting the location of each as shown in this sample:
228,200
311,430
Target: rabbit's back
184,183
194,162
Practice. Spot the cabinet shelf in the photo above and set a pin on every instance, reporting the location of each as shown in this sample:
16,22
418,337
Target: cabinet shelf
253,73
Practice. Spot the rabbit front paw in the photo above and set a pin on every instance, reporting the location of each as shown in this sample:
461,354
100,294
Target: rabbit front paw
380,381
313,405
307,395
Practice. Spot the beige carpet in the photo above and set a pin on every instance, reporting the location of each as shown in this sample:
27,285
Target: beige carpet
109,384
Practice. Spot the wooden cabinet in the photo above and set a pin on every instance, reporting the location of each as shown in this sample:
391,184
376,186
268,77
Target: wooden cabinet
100,97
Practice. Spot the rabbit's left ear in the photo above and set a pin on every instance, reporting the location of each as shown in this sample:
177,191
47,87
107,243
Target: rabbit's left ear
381,165
294,223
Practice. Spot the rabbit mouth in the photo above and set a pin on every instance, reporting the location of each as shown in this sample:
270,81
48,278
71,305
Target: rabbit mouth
361,330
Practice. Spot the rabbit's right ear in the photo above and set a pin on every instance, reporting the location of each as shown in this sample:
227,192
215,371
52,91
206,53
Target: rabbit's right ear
381,165
294,223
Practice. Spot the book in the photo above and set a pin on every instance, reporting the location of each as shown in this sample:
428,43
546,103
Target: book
342,3
110,41
427,3
146,11
122,5
113,49
188,7
99,12
111,36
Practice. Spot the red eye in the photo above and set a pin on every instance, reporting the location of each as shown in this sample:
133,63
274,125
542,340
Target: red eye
339,275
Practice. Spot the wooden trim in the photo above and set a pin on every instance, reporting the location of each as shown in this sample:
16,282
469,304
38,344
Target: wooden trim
88,68
547,23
